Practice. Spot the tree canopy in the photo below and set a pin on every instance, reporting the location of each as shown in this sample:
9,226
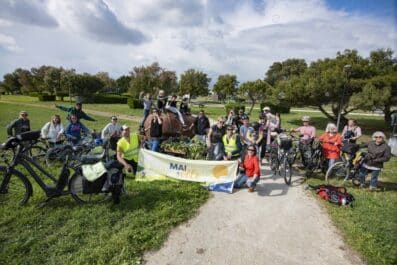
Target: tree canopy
194,83
226,86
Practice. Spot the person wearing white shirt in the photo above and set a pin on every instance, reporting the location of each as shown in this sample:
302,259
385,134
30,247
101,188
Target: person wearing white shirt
53,130
112,132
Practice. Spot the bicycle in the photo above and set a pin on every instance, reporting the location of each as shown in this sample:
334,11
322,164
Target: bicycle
316,161
15,186
347,168
282,156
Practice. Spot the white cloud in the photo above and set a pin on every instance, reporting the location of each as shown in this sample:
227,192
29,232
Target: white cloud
9,43
238,37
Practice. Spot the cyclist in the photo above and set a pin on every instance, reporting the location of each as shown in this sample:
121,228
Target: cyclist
244,131
20,125
231,143
77,110
155,131
147,104
53,131
184,106
201,126
128,149
378,153
74,129
307,131
351,132
331,143
112,132
252,170
232,120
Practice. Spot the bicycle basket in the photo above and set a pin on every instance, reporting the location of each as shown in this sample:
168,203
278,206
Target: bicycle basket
285,143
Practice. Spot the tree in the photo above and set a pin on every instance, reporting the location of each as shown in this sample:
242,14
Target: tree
122,84
281,71
254,90
11,84
194,83
109,83
226,86
152,78
85,84
52,80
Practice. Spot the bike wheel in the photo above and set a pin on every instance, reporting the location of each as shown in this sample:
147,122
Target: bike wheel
76,190
287,171
337,174
14,187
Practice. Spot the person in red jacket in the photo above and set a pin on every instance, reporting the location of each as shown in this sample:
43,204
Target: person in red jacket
252,170
331,144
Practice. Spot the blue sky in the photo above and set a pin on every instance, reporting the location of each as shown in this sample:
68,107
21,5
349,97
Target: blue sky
214,36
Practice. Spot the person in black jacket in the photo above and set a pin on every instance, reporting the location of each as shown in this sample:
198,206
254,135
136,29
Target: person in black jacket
201,126
77,110
20,125
378,153
156,131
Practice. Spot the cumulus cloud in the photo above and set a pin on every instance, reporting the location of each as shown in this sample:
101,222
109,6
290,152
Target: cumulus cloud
214,36
96,20
8,43
27,12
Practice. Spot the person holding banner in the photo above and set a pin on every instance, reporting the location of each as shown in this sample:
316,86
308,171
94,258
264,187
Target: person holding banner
128,149
252,170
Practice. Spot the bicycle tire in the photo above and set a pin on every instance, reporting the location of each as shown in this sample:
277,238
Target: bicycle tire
18,188
76,190
287,171
336,174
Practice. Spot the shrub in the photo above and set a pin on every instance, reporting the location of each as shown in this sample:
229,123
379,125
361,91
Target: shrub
45,97
134,103
276,108
109,99
235,106
34,94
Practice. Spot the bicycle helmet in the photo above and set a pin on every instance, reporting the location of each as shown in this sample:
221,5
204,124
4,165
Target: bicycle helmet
306,118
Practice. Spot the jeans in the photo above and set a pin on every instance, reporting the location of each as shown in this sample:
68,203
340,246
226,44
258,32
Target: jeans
331,161
146,113
154,144
374,176
243,179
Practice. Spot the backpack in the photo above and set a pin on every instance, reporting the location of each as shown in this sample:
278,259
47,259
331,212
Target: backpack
335,195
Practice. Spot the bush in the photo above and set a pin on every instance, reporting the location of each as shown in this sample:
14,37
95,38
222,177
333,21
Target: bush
134,103
235,106
34,94
45,97
109,99
279,108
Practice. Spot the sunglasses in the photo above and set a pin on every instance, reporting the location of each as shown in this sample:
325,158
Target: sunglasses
251,150
378,137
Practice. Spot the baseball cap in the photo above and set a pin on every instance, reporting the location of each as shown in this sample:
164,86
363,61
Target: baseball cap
125,126
266,108
306,118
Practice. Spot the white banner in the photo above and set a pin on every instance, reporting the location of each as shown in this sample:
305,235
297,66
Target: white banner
153,164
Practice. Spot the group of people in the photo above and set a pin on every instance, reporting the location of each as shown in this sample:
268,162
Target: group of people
231,138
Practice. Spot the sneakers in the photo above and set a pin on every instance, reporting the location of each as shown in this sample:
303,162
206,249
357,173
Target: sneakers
362,186
252,189
371,188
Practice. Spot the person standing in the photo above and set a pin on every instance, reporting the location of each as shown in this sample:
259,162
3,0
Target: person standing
53,131
351,132
184,106
244,131
112,132
128,149
378,153
77,110
214,140
20,125
155,131
201,126
331,144
307,132
147,105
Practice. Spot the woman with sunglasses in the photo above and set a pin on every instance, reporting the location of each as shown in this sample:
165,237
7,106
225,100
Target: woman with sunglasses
20,125
252,170
378,153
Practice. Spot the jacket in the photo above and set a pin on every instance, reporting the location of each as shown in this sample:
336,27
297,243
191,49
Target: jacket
73,111
251,166
19,126
377,154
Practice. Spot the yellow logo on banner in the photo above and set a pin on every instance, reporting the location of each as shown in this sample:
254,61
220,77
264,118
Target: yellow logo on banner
219,170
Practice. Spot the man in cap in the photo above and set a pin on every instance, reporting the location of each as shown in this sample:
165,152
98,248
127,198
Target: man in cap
20,125
128,149
76,110
112,132
307,131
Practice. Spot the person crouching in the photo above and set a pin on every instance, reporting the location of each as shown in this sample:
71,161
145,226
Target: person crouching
252,170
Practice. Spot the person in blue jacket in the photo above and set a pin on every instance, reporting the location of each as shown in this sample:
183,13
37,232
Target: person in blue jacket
75,129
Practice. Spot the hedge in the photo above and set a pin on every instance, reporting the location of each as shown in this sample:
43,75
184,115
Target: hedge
235,106
280,108
109,99
45,97
34,94
134,103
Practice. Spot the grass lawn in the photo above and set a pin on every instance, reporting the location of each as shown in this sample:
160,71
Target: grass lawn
64,232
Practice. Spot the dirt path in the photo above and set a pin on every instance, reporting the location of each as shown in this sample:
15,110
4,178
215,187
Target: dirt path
275,225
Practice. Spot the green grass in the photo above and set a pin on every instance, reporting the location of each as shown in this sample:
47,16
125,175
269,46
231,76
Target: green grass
64,232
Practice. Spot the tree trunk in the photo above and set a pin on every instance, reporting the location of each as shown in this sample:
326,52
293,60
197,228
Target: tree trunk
326,113
252,106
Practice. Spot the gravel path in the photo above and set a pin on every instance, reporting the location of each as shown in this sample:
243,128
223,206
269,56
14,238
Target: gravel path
276,224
